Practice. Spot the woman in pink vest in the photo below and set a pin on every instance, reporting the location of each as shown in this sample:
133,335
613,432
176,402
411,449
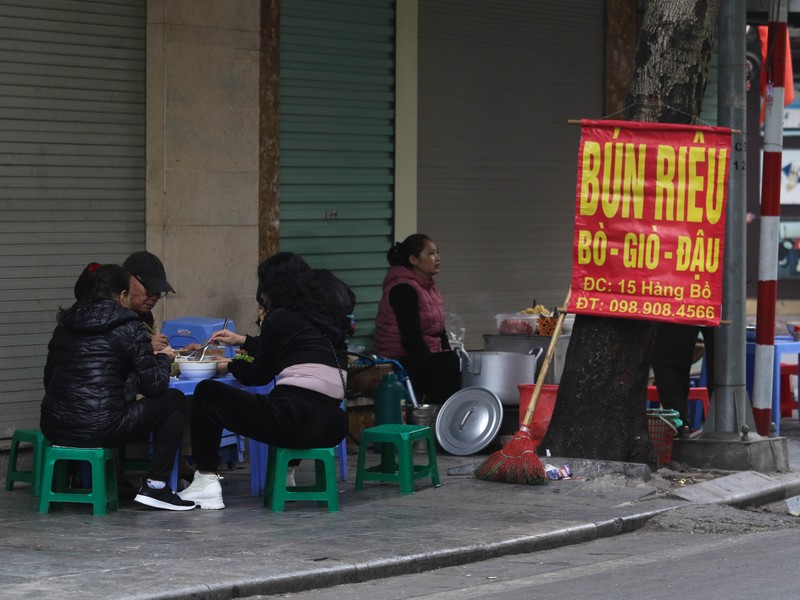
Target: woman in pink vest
410,322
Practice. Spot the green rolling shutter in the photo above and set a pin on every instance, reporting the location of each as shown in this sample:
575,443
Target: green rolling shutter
337,141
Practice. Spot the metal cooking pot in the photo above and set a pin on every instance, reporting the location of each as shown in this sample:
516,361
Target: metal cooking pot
499,372
422,414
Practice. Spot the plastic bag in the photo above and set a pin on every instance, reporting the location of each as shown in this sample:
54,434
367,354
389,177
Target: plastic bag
456,330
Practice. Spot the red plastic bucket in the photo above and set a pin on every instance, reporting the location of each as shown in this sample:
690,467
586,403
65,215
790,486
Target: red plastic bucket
544,407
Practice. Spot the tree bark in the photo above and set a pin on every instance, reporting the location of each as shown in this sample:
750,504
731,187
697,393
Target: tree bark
600,409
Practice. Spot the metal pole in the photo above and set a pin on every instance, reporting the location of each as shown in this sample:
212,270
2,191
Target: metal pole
730,407
770,220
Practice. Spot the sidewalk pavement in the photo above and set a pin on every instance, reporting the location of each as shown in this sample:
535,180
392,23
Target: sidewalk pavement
140,553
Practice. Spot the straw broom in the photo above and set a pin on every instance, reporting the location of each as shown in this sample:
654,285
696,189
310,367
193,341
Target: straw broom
517,461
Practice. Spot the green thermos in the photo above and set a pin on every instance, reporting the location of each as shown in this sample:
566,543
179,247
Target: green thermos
389,396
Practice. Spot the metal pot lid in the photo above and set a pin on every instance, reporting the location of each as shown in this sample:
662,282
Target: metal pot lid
469,421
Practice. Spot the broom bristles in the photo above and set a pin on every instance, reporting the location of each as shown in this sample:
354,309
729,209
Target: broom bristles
516,462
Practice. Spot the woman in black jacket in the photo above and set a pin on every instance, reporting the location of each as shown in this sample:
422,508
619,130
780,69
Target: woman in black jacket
104,387
302,344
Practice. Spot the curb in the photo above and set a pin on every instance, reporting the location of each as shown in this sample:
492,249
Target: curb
414,563
748,488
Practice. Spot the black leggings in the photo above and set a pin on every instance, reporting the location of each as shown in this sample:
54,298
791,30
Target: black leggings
290,417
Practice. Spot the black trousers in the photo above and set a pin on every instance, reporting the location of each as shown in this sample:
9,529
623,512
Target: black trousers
671,359
163,416
289,417
435,377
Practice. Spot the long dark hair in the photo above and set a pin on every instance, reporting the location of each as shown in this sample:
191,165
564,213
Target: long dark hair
284,278
107,282
399,254
331,296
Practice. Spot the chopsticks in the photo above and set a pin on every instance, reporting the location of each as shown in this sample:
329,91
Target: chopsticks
202,349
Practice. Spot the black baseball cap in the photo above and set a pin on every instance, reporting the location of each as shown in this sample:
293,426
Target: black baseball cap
149,270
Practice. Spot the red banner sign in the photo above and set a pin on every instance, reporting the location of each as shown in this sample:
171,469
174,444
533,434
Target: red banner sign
650,221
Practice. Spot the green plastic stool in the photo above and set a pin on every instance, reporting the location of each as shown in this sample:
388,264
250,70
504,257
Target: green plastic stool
38,442
324,490
103,492
406,472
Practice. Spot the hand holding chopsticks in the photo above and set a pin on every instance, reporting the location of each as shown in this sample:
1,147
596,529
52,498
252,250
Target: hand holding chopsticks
159,341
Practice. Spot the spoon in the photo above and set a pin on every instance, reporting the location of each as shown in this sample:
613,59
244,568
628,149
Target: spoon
203,349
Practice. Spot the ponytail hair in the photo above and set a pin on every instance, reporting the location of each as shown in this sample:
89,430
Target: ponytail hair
399,254
106,282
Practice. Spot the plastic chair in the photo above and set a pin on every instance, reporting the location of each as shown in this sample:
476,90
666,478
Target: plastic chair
231,448
696,394
405,472
788,404
34,477
102,493
783,345
277,494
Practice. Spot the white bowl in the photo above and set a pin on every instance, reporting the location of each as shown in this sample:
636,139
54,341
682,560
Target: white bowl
790,328
197,369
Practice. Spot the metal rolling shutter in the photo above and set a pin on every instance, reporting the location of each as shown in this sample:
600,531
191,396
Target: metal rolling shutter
72,169
337,141
497,160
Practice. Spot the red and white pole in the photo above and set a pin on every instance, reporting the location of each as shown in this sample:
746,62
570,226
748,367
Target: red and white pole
770,225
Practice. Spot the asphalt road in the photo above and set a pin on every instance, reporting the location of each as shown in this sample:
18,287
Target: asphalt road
708,552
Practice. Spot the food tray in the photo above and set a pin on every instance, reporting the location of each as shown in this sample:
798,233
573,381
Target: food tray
516,324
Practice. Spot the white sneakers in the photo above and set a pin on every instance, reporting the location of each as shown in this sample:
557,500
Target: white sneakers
290,482
205,491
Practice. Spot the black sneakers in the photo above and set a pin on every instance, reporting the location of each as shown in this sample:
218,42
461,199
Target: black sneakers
164,498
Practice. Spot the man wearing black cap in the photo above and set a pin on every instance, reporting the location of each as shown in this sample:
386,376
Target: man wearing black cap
147,286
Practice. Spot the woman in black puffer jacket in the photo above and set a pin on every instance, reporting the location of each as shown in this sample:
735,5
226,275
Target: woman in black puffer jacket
100,356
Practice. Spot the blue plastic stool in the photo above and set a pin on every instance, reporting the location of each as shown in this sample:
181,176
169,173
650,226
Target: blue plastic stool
276,493
231,448
34,477
102,494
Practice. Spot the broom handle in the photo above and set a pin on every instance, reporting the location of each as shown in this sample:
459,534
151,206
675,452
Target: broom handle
551,350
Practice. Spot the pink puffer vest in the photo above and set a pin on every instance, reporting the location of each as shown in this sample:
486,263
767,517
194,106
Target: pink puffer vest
431,314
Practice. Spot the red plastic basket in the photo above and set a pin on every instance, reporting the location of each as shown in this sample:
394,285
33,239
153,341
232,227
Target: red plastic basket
660,425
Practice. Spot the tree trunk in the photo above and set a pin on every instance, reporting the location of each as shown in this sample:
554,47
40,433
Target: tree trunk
600,409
